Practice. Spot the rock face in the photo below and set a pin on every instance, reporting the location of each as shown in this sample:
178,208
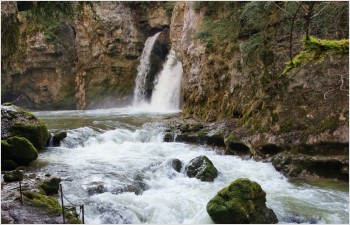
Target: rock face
90,63
222,81
201,168
242,202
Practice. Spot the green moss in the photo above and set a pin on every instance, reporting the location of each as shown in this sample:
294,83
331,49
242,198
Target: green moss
18,149
48,204
235,203
232,138
37,133
316,50
201,133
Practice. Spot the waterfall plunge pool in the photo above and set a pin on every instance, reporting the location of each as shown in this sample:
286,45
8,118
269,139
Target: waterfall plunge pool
115,162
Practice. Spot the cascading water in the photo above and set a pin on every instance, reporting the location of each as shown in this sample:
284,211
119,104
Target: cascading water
143,70
117,165
166,93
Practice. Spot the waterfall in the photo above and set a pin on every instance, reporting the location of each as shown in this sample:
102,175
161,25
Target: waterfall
166,93
167,85
143,70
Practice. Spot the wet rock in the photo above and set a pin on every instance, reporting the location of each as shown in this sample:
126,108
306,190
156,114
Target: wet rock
15,175
168,137
302,165
8,165
58,136
176,164
51,186
96,188
201,168
298,219
242,202
18,149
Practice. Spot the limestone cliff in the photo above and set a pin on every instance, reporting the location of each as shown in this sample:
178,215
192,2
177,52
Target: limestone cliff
222,81
89,61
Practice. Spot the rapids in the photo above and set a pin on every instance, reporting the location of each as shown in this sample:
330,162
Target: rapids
122,152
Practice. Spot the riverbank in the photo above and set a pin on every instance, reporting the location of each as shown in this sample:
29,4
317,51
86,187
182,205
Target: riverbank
300,154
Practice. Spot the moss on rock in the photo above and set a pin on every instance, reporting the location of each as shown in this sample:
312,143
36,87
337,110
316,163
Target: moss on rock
19,122
48,203
242,202
19,150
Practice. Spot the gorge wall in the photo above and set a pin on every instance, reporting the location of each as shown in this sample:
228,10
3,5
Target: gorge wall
225,79
88,61
233,65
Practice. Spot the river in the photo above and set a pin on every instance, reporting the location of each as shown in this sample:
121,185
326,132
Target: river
114,161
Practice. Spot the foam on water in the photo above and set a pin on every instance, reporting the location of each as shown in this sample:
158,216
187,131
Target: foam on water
116,157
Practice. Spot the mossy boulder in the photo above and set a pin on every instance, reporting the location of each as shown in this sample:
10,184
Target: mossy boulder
242,202
19,150
16,121
201,168
50,186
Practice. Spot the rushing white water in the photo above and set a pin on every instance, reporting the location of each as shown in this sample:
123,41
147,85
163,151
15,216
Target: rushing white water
121,172
143,70
167,91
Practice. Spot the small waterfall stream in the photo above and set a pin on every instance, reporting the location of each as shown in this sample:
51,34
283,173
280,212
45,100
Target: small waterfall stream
143,70
167,90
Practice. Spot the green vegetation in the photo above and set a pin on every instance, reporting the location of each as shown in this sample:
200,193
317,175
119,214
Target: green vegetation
47,203
169,7
48,16
315,51
243,201
37,133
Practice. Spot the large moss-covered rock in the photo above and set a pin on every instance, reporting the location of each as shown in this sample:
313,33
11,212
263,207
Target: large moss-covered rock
242,202
16,121
19,150
201,168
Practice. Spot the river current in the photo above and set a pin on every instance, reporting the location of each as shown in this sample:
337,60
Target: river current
114,161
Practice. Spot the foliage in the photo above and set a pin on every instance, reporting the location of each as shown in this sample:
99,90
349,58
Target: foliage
316,50
47,16
253,45
169,7
256,15
331,20
215,32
